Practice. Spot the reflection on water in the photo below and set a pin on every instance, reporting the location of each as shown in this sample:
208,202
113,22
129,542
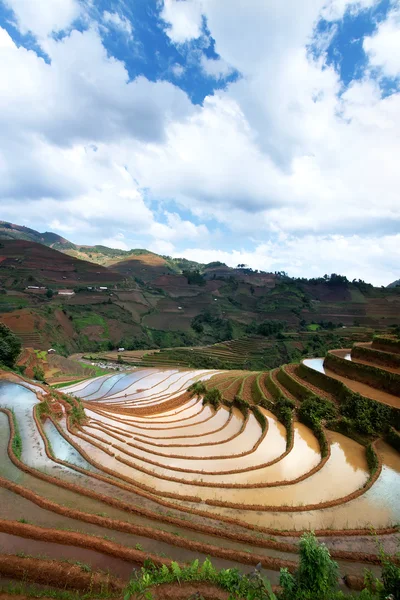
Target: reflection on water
315,363
62,449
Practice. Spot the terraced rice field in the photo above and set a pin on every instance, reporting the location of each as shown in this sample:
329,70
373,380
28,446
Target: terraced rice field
166,476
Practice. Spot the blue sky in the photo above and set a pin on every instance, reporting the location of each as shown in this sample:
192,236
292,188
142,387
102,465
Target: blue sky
255,132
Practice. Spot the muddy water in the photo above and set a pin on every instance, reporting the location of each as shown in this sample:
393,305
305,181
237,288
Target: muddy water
206,422
366,390
14,507
244,442
12,544
378,507
339,477
304,456
21,401
207,414
233,425
62,450
155,385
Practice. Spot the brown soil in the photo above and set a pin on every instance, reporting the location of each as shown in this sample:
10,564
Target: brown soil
57,574
263,387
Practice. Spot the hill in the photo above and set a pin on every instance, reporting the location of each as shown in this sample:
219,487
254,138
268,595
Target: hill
394,284
154,301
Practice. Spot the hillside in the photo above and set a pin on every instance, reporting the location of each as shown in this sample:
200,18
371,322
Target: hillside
394,284
158,302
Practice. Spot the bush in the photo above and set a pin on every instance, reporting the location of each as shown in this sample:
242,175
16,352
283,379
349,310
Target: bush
372,459
316,577
393,438
197,388
213,397
10,346
38,373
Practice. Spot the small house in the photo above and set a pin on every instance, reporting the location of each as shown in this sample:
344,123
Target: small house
103,288
66,293
51,351
121,349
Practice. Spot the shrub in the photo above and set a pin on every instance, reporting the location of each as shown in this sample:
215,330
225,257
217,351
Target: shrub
197,388
10,346
213,397
317,574
38,373
372,459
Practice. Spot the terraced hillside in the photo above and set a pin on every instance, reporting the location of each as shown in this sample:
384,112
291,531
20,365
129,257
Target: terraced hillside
181,464
87,299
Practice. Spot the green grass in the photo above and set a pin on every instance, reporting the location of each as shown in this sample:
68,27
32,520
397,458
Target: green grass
41,354
313,327
91,319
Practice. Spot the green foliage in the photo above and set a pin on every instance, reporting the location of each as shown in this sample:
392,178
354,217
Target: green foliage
49,293
38,373
374,376
295,387
316,576
213,397
10,346
194,278
239,586
267,328
17,440
365,415
386,344
372,459
241,404
314,409
260,417
393,438
197,388
389,359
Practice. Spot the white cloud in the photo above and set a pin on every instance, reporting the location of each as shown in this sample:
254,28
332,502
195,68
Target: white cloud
283,154
178,70
216,68
383,47
372,259
183,18
115,242
119,22
42,17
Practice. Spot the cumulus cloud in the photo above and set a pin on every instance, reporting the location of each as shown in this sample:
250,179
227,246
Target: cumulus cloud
383,47
42,17
284,157
373,259
184,19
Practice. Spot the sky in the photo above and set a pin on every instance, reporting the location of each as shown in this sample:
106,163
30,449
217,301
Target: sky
248,131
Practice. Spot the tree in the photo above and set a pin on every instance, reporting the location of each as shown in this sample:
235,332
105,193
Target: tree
10,346
49,293
316,576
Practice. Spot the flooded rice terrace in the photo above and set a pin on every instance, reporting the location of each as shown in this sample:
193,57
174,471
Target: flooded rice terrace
222,460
